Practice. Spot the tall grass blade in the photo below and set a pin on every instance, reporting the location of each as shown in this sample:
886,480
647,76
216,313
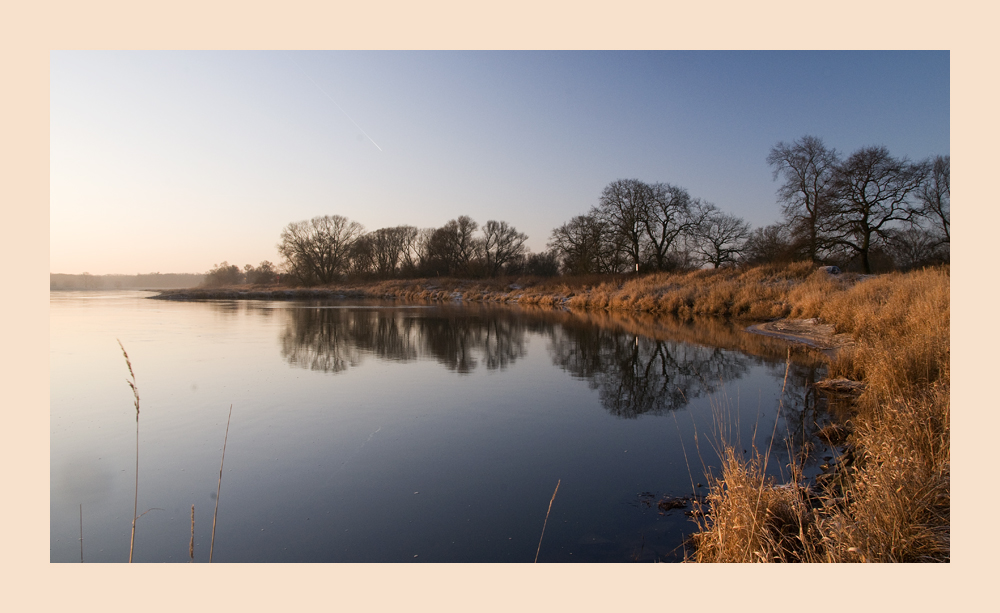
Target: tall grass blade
211,547
546,520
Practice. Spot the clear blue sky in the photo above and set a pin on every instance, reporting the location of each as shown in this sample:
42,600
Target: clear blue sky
174,161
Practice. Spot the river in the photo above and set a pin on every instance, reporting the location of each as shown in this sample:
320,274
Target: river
387,432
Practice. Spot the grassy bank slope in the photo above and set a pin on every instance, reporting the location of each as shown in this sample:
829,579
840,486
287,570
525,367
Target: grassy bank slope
891,500
759,293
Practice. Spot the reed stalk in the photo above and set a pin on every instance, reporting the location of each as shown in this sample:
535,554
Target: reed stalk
546,520
191,545
211,547
135,505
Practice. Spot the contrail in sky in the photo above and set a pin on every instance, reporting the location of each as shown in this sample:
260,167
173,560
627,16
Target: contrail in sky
338,106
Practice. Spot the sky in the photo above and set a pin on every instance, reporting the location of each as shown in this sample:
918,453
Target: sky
175,161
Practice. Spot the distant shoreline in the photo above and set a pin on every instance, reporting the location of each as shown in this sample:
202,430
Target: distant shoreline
152,281
759,294
810,332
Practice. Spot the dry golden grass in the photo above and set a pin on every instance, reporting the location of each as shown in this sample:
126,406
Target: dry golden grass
753,519
756,293
901,324
893,503
897,501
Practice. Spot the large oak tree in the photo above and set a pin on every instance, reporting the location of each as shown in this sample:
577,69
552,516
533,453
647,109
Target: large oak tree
318,250
873,194
808,168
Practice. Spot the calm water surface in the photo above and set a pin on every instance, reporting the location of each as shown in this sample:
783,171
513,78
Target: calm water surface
366,432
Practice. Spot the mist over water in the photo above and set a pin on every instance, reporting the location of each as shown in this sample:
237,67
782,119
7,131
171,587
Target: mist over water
389,433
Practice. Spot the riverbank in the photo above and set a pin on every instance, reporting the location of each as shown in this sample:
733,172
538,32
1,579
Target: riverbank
888,496
757,294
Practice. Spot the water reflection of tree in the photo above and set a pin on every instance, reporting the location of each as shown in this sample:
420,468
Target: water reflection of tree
318,339
638,367
637,375
333,339
230,309
387,335
452,341
504,342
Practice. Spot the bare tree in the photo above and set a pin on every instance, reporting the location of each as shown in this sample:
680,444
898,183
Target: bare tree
935,195
440,257
454,245
463,242
667,217
586,245
807,167
317,251
264,274
390,247
384,252
915,246
873,190
501,244
771,243
544,264
721,237
224,274
361,258
577,243
423,248
410,257
624,207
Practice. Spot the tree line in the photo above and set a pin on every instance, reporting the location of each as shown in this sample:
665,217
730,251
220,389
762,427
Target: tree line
329,248
226,274
638,226
869,211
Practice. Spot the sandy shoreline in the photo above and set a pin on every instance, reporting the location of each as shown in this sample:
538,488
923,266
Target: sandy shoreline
811,332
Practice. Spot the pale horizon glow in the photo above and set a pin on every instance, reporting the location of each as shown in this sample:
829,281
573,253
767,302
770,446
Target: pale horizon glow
174,161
